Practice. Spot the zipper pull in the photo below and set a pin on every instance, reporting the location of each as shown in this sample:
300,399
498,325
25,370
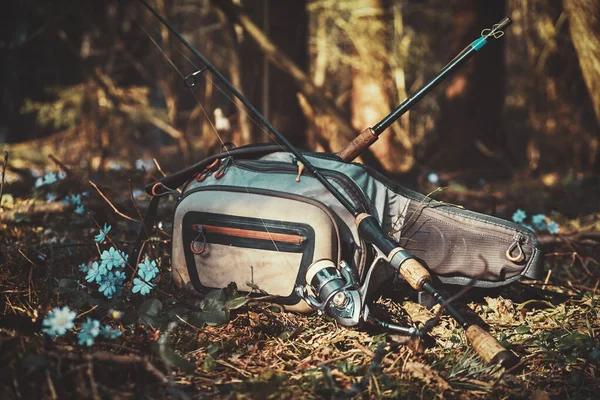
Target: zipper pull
300,170
200,230
224,167
516,244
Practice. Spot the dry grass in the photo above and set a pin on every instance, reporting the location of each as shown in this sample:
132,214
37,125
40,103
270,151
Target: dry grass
266,353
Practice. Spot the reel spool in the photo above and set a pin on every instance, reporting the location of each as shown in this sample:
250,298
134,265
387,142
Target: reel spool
335,292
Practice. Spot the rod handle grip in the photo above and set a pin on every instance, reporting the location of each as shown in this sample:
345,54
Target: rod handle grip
489,348
414,273
358,145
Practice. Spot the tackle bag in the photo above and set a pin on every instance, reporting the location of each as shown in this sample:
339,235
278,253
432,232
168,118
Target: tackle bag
249,216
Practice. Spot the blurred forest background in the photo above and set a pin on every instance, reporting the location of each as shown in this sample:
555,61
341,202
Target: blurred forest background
84,81
93,90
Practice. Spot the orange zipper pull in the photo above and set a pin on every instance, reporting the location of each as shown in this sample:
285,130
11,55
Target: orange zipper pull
300,170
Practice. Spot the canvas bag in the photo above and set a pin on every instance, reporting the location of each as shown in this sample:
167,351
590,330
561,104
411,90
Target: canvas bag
250,222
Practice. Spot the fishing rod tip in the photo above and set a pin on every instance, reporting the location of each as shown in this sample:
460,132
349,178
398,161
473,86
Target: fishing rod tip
505,23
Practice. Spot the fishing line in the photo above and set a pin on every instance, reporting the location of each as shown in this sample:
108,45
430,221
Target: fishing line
214,129
207,76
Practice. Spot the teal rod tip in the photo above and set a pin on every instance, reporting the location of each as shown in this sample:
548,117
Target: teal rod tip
479,43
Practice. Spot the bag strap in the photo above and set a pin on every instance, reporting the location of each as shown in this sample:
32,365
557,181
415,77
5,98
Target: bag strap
178,178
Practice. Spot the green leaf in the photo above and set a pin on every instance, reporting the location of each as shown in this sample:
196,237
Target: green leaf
151,307
209,363
522,329
149,313
237,302
21,217
212,349
211,318
214,301
171,357
66,286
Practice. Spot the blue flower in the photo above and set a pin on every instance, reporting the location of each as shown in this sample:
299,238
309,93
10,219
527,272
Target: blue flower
59,321
529,227
553,227
50,178
519,216
83,268
39,182
142,287
89,330
62,175
95,272
108,285
79,209
75,199
433,178
148,269
111,283
113,258
50,197
101,236
539,221
109,333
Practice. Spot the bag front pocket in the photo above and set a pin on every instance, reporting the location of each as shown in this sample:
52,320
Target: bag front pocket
262,241
257,254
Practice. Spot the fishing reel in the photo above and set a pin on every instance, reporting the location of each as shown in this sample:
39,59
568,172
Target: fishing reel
337,293
334,292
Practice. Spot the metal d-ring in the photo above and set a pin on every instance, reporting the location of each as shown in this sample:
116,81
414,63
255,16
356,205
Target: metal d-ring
520,256
190,80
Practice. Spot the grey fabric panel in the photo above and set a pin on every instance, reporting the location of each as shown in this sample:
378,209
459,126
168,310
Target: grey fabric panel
457,244
453,245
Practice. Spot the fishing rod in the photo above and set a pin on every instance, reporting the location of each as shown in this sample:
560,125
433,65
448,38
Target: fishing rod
370,135
329,281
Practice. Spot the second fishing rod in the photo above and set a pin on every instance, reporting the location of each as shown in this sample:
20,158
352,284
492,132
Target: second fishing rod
369,227
370,135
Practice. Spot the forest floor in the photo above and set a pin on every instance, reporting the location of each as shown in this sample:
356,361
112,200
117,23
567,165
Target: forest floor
176,345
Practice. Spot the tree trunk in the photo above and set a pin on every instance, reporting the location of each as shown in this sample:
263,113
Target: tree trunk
584,23
370,98
549,119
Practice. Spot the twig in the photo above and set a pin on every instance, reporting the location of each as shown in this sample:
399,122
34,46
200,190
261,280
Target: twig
51,386
158,167
88,311
61,164
111,204
143,244
90,372
2,179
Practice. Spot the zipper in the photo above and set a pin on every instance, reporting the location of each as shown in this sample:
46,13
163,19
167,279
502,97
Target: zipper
352,189
250,234
266,192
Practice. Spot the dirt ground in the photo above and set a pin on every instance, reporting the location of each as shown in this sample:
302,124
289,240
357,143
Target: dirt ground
171,347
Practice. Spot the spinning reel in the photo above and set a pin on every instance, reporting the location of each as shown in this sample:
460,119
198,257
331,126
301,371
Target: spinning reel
337,293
